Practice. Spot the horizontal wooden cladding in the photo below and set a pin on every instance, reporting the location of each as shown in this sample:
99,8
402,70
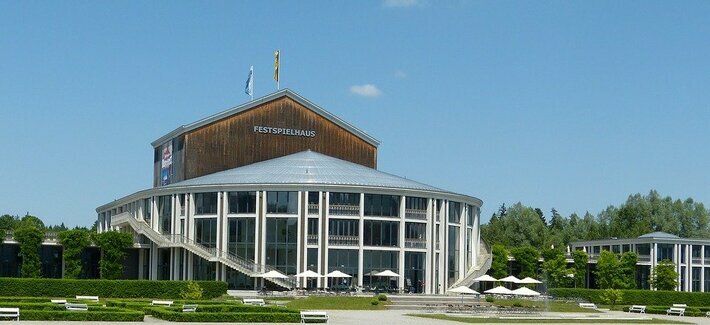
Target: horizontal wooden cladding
232,142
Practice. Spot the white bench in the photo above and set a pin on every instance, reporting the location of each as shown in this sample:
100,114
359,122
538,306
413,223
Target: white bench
92,298
161,303
675,310
59,301
314,315
587,305
637,308
189,308
680,306
254,302
10,313
76,307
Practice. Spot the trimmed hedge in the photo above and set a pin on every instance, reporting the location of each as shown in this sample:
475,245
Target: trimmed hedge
24,287
638,297
112,316
285,316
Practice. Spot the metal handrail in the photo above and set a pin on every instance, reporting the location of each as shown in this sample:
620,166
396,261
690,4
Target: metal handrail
241,264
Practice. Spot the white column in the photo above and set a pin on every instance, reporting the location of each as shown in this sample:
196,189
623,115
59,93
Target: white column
428,260
401,239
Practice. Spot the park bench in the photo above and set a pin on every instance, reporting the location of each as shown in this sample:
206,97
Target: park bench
76,307
189,308
314,315
587,305
637,308
59,301
10,313
167,303
680,306
92,298
254,302
680,311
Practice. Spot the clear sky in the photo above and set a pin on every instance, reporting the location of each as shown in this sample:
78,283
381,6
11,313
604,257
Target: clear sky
565,104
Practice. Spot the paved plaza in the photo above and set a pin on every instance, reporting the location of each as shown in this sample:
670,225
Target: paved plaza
398,317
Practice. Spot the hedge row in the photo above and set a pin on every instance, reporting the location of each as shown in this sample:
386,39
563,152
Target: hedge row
105,288
661,310
107,316
637,297
287,316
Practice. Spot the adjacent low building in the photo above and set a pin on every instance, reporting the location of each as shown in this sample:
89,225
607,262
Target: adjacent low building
280,183
690,256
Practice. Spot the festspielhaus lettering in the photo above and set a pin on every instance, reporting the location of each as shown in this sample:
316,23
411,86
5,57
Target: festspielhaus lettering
284,131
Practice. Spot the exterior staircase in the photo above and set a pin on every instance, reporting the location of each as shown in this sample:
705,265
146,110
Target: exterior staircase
483,263
211,254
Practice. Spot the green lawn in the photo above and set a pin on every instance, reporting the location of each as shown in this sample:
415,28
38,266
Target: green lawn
339,303
540,321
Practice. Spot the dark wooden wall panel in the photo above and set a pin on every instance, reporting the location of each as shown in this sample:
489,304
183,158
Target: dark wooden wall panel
232,142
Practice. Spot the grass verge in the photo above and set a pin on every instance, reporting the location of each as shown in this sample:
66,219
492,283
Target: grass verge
553,306
475,320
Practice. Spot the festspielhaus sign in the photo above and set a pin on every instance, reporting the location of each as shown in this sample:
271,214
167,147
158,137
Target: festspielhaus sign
284,131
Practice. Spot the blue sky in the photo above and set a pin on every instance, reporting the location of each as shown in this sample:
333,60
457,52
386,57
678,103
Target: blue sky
564,104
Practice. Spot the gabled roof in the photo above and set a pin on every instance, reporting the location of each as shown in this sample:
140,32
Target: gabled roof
256,102
658,234
307,168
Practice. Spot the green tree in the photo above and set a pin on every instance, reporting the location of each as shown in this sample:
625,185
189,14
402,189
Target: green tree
612,297
113,251
664,276
8,222
31,221
555,268
30,239
74,243
580,259
516,226
608,272
627,266
527,258
499,264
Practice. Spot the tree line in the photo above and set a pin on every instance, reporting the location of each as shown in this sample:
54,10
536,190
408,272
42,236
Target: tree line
29,231
520,225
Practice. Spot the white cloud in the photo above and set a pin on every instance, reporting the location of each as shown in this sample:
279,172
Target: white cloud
402,3
366,90
399,74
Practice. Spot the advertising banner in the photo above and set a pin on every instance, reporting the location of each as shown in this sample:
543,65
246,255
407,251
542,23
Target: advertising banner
166,164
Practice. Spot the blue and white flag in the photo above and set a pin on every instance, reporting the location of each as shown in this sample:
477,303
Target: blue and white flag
249,89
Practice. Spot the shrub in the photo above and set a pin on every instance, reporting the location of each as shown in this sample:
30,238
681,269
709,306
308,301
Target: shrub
113,246
374,302
109,316
105,288
74,242
192,291
382,297
490,299
612,296
637,297
284,316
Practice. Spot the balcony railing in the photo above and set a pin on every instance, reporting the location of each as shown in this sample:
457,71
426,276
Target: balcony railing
343,240
697,260
312,239
415,214
414,243
344,210
49,236
644,258
313,209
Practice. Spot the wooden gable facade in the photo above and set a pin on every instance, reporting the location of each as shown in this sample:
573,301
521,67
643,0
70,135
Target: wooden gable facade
269,130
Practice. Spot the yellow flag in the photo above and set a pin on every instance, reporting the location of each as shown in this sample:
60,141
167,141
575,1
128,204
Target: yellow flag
276,65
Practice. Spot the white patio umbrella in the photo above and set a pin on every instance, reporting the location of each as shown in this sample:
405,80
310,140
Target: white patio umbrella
499,290
523,291
529,280
386,273
337,274
485,278
308,274
464,290
273,275
510,279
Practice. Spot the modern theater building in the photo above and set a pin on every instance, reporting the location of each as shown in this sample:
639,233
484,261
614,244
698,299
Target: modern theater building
280,183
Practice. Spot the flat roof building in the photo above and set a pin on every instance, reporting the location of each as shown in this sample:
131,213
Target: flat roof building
281,184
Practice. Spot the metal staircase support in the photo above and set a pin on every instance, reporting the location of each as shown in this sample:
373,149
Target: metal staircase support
248,267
